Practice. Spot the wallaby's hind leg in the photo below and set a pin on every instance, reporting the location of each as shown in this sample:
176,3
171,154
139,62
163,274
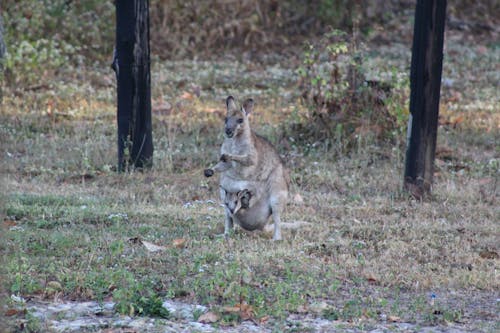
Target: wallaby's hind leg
277,209
228,220
278,189
228,225
277,203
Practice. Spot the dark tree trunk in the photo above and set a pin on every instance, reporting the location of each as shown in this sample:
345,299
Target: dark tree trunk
131,64
425,81
2,43
2,54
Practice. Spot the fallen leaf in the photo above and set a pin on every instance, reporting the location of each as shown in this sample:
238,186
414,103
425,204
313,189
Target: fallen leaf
152,247
186,95
297,198
231,309
458,120
244,310
488,254
372,279
394,319
208,318
14,312
263,320
9,223
179,243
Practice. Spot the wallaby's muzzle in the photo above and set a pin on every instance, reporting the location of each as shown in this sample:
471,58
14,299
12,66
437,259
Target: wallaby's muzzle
229,132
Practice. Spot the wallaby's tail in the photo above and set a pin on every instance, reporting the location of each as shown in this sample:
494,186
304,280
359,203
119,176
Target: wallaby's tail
294,225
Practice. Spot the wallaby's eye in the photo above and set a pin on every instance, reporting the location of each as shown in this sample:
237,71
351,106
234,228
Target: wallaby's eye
240,121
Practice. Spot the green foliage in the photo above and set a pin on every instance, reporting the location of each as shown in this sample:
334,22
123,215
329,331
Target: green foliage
345,107
33,323
22,281
337,13
45,37
138,298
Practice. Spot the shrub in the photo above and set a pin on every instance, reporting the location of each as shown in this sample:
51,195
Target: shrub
343,105
45,37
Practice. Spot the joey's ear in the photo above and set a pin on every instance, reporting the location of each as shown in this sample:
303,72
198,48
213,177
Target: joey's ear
248,106
244,193
230,103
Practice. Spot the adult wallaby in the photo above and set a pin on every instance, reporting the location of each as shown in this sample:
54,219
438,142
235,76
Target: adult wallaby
249,161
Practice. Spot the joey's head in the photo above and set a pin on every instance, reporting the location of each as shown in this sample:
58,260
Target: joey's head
236,121
235,201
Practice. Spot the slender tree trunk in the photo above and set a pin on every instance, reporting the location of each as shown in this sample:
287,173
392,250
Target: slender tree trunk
3,50
132,66
2,43
425,81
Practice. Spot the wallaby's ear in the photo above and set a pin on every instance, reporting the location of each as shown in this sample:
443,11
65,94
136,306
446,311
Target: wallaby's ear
248,106
230,103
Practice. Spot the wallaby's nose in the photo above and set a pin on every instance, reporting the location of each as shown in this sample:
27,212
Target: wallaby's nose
229,132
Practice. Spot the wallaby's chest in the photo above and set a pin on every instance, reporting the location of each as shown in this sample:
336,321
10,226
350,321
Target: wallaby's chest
236,147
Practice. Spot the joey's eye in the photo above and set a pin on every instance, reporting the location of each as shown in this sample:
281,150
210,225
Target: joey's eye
240,121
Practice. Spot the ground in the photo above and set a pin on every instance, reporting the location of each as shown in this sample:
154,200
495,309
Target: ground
373,258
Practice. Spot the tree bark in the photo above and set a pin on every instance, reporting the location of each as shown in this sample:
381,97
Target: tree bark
425,82
132,66
3,50
2,43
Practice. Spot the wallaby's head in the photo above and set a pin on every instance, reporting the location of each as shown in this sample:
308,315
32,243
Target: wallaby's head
236,121
235,201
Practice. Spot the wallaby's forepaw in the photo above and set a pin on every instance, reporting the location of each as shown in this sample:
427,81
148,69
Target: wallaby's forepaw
224,158
208,172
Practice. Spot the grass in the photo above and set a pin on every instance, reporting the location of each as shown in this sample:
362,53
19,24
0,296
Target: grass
72,227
